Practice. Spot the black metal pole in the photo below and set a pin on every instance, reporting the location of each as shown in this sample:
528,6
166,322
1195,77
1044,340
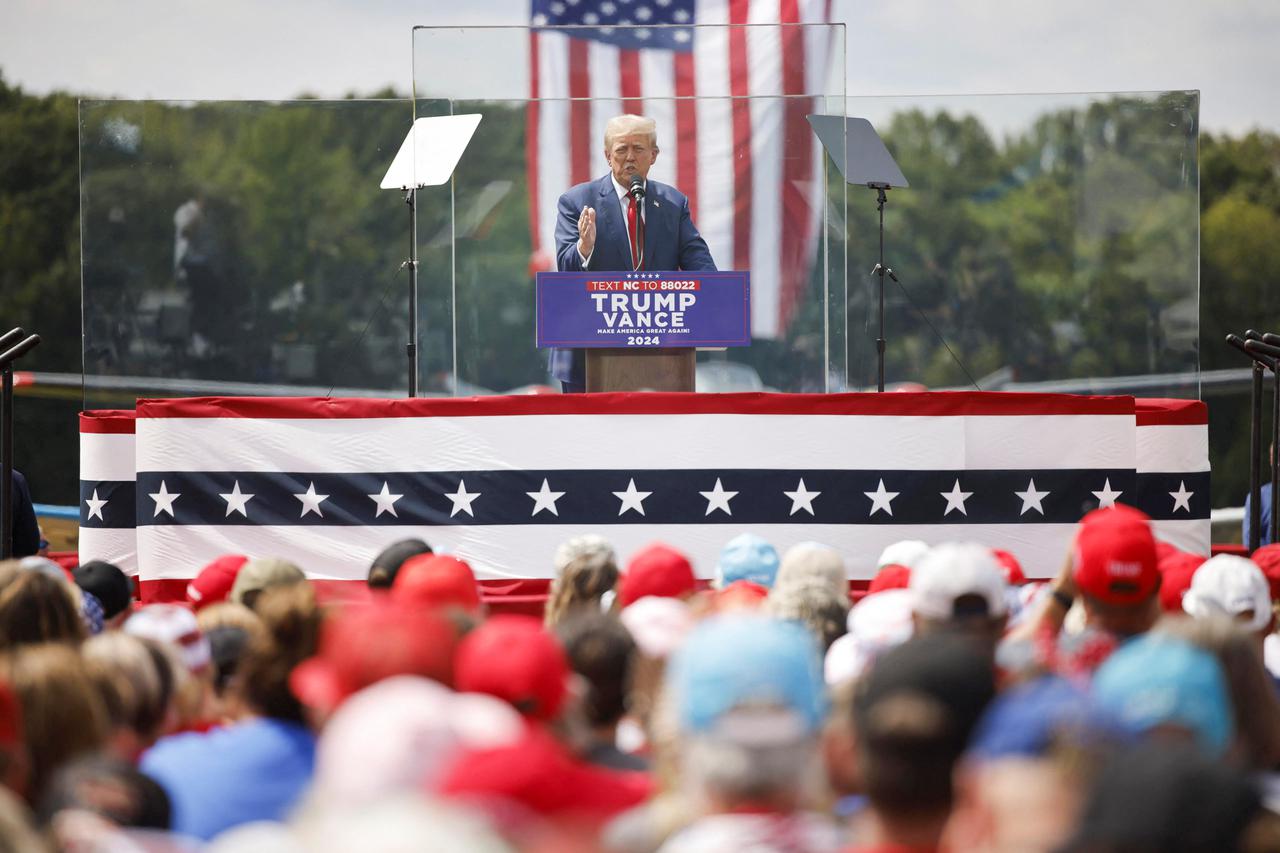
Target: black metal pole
881,199
6,463
410,198
1255,459
1275,472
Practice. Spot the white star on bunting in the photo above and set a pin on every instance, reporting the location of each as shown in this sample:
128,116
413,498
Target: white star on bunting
718,498
1107,497
546,499
1032,499
1182,497
881,499
164,500
631,499
236,500
801,498
95,506
462,499
386,502
311,501
955,499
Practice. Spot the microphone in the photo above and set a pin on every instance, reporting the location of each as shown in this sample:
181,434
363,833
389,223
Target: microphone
1243,346
637,188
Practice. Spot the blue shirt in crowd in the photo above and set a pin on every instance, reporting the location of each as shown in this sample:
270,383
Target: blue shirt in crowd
254,770
1265,538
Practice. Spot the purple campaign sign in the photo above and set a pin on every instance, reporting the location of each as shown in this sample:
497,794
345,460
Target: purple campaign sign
644,309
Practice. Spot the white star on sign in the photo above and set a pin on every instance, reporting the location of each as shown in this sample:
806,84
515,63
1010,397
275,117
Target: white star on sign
955,499
236,501
1107,497
164,500
95,506
544,498
311,501
801,498
1031,499
385,500
462,499
718,498
631,499
881,500
1182,497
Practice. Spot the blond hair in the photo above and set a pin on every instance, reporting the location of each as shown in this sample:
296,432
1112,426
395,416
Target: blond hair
586,568
626,125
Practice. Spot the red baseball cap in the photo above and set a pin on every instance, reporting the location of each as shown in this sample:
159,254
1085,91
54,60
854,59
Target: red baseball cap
1268,559
437,580
1115,556
212,585
656,570
540,774
739,595
1009,565
514,658
1176,569
364,644
892,576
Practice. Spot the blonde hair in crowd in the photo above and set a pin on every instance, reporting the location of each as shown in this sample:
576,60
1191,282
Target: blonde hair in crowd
586,567
626,125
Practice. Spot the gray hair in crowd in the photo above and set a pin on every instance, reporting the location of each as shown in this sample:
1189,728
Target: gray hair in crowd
810,563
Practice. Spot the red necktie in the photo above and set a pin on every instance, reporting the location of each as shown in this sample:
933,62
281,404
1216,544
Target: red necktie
634,230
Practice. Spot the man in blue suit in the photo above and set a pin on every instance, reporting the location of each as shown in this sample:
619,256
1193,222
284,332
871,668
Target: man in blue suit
596,228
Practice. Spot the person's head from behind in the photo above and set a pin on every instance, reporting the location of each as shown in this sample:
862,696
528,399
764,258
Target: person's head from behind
291,619
746,557
1254,700
385,566
439,582
601,650
1231,586
517,660
212,585
1167,689
750,700
823,613
1116,568
110,586
1167,798
960,587
586,567
131,688
63,717
362,645
809,563
110,788
656,570
913,713
630,147
261,574
230,629
36,607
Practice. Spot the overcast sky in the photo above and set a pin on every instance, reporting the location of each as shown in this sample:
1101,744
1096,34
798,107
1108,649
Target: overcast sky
250,49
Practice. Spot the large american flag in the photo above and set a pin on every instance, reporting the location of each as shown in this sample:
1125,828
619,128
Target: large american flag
501,481
728,138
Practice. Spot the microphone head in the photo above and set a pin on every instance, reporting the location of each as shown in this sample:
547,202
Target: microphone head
637,186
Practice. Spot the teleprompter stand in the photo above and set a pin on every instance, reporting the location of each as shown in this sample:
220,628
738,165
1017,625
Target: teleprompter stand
861,157
427,157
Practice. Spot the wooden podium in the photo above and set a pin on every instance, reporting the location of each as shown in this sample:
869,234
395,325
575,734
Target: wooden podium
632,369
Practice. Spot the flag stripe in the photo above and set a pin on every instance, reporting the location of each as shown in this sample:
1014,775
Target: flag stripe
531,142
739,87
686,131
651,442
629,81
797,178
579,111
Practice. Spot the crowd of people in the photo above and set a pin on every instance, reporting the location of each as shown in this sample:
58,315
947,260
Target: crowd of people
1130,703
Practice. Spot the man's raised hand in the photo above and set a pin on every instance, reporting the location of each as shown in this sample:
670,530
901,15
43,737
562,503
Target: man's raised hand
587,231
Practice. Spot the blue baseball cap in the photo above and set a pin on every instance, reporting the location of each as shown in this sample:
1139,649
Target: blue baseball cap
745,659
747,558
1156,680
1030,719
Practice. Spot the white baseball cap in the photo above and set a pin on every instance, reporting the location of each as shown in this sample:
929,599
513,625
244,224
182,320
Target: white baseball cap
953,570
905,552
1229,585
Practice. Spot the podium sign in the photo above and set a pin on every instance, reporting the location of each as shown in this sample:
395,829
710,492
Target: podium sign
643,309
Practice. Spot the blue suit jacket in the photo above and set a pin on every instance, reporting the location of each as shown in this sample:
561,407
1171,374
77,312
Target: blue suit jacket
671,242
